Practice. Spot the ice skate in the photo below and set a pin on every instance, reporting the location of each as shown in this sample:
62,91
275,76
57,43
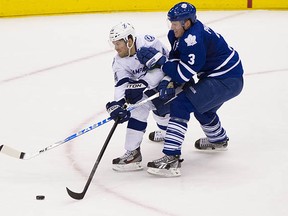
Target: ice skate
130,161
204,144
156,136
167,166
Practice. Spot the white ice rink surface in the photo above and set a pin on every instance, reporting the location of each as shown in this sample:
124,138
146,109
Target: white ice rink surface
55,79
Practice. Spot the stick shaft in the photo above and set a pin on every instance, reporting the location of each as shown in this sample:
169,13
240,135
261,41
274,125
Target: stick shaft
79,196
22,155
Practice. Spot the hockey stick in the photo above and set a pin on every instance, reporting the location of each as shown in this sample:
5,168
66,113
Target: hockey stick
80,196
22,155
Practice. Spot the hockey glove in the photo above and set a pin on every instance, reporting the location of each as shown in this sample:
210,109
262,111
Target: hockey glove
166,92
115,110
134,91
150,57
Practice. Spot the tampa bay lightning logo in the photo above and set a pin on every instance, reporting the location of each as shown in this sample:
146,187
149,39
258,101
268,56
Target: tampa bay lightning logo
149,38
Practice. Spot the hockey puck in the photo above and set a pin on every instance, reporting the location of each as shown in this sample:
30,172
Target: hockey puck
40,197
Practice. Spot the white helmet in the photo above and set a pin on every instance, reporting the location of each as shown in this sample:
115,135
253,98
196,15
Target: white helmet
122,31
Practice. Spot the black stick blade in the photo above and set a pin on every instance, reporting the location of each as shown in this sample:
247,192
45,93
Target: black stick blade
77,196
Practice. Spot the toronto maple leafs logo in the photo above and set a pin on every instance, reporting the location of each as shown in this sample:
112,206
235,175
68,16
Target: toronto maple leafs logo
190,40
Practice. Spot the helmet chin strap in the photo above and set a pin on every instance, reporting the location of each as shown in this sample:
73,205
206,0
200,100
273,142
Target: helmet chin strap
129,48
183,24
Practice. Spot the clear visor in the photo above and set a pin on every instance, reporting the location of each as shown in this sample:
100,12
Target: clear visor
115,44
111,45
168,23
174,25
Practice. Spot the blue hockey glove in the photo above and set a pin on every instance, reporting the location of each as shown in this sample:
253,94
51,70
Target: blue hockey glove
134,91
150,57
166,92
115,110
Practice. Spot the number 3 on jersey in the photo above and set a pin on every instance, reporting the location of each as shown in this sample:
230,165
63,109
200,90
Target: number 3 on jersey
192,59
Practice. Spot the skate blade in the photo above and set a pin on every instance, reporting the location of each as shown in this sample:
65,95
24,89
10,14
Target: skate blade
210,149
127,167
172,172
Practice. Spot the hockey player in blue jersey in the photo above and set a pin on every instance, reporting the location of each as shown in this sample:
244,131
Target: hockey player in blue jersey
195,50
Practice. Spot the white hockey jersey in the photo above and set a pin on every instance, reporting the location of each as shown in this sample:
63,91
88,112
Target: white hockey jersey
129,68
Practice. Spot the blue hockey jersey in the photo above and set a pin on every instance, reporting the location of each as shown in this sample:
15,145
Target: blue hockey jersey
202,52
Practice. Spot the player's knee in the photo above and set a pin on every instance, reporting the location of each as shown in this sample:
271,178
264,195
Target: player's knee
136,124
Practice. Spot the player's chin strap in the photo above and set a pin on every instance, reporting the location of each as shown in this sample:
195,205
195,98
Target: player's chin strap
129,48
22,155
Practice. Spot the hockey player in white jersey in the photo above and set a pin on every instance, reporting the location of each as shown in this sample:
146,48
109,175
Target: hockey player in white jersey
133,83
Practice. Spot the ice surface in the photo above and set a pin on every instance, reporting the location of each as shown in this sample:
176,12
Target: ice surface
55,79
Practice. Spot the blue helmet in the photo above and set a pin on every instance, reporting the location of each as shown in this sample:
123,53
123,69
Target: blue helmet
182,12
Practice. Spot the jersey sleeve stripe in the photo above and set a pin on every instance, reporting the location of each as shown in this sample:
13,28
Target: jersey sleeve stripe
186,69
226,71
122,81
226,61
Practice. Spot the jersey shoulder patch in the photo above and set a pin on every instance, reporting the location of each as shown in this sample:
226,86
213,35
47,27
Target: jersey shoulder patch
190,40
149,38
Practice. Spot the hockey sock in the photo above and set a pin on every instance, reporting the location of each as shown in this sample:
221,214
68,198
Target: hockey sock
175,135
214,131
